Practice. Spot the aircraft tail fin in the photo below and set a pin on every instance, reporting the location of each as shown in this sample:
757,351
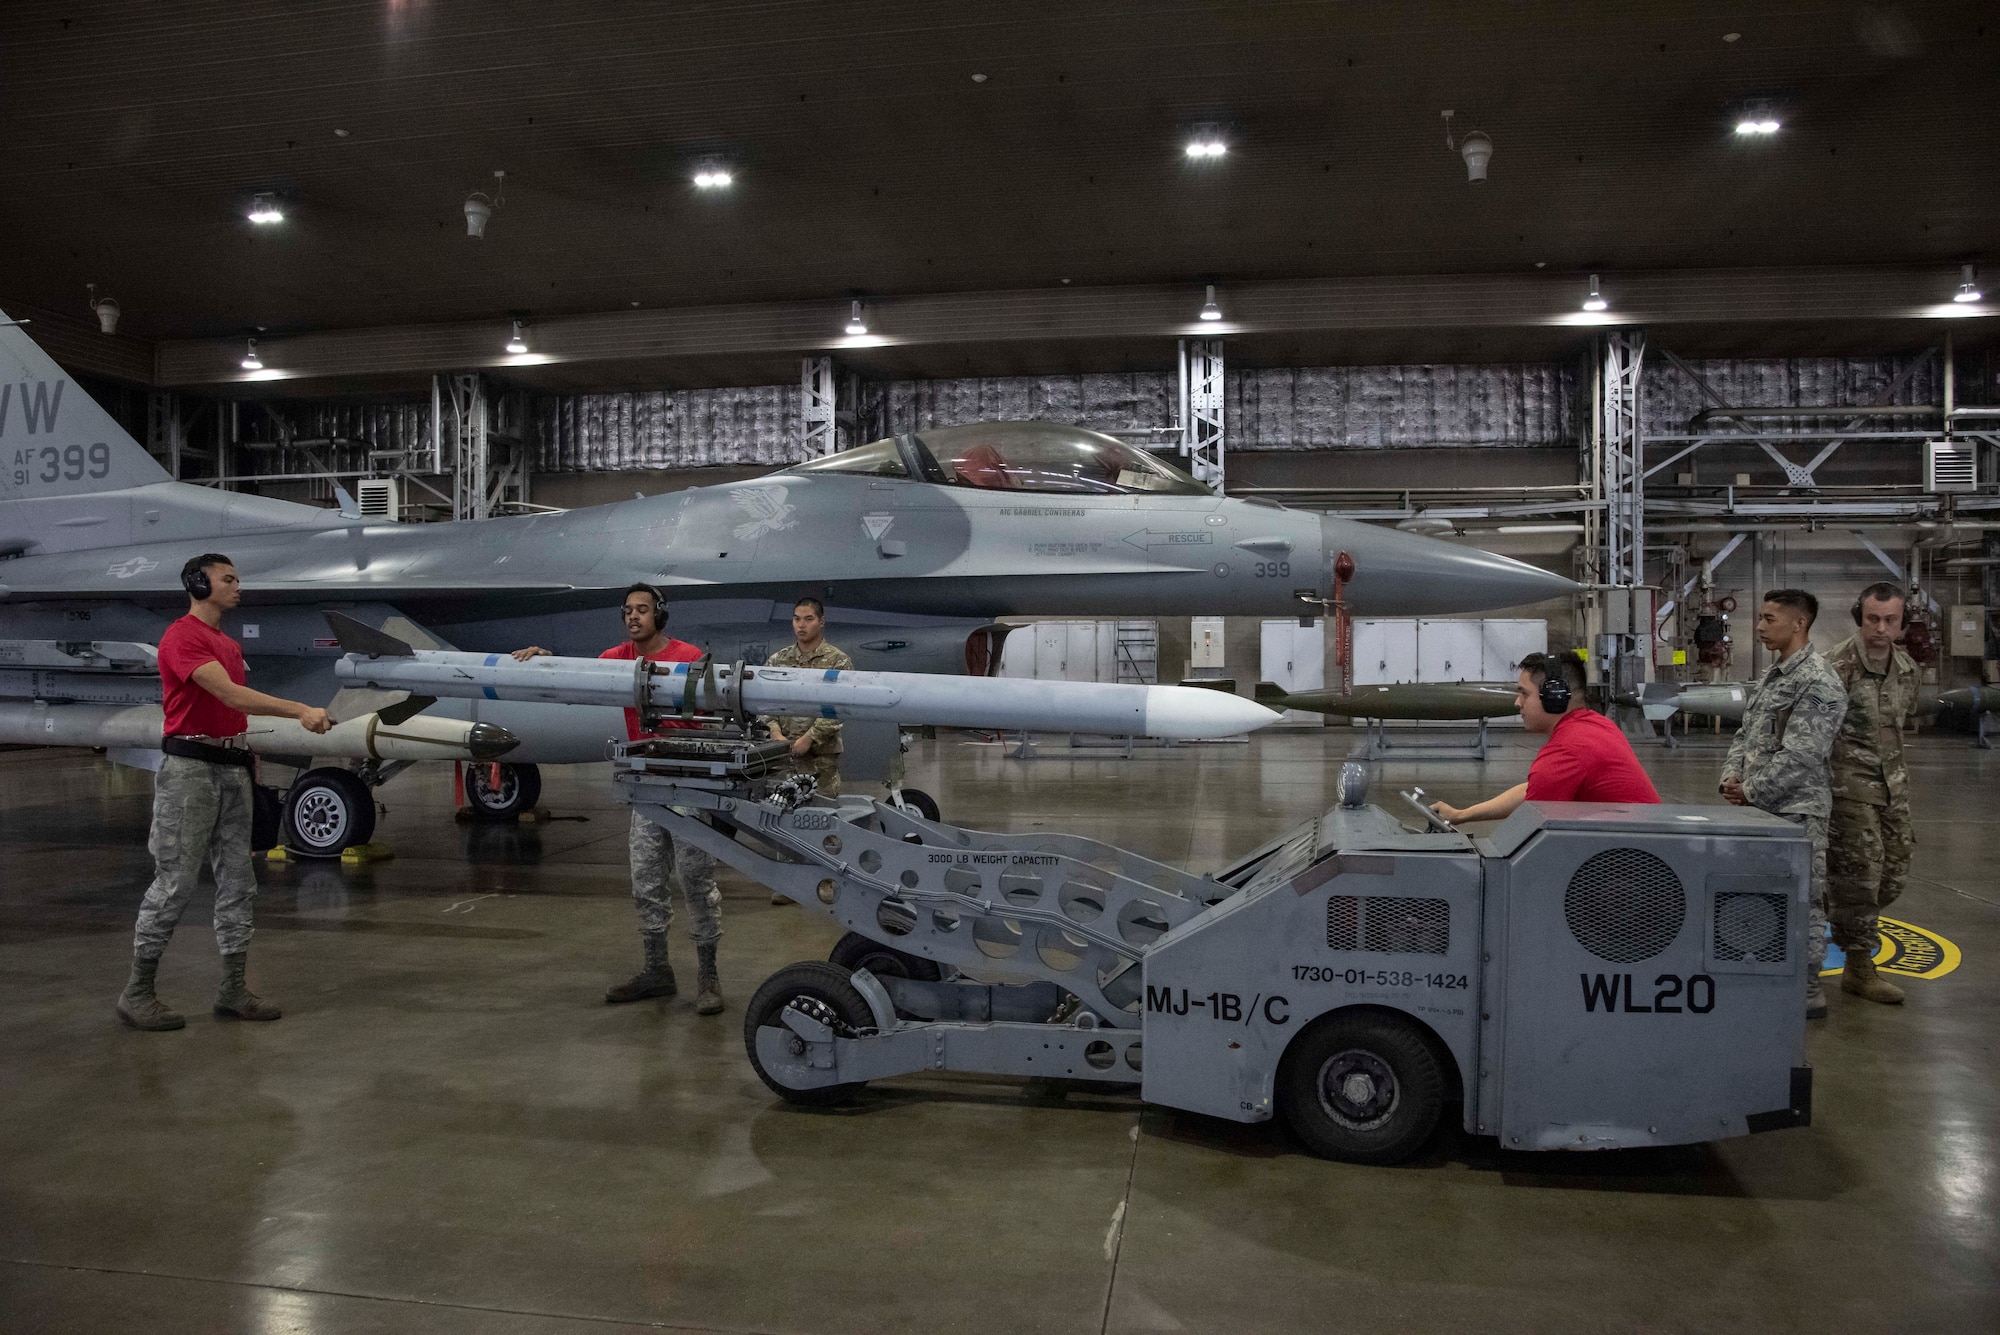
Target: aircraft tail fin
54,438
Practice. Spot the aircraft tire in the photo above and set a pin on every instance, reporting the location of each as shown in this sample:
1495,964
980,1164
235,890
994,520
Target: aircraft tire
923,804
519,790
855,951
328,811
824,990
1364,1086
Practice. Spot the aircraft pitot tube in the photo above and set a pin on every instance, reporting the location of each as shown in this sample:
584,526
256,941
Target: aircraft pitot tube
909,698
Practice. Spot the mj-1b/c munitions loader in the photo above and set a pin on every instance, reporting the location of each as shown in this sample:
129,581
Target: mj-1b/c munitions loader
1584,977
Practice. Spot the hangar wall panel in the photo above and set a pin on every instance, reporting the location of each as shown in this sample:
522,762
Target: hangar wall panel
660,429
1671,398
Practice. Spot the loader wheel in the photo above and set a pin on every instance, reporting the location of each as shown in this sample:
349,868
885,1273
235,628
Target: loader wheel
326,812
1362,1086
855,951
822,991
501,792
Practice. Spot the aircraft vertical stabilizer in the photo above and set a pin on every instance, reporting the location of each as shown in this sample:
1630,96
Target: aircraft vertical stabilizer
71,479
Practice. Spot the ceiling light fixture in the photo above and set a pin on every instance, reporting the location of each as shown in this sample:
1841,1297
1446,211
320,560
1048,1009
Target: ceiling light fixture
1211,311
264,209
1968,287
105,308
1476,148
855,324
712,174
479,206
1595,301
517,344
251,361
1206,142
1757,119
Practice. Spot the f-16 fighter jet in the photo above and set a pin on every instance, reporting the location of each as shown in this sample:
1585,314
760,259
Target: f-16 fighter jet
914,543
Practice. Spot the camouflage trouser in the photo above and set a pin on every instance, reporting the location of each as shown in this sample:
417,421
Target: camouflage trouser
201,813
1816,931
1868,864
656,858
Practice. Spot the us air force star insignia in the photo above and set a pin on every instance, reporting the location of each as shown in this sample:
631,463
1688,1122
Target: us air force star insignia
876,525
134,565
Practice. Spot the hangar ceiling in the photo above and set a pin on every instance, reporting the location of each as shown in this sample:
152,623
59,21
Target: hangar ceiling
870,162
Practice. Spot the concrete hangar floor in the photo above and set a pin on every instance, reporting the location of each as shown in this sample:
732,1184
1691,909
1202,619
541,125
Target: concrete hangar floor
449,1132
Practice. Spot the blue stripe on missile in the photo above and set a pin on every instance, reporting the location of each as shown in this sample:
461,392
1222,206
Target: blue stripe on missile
491,694
832,674
826,711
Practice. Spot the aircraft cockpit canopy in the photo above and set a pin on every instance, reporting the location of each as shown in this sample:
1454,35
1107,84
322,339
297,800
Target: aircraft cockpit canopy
1015,456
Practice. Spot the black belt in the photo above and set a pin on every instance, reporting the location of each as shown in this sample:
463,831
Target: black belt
189,749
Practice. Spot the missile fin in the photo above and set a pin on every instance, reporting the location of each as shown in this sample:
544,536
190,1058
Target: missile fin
356,638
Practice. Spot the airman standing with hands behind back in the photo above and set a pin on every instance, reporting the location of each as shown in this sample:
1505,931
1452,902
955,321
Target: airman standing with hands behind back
1869,834
1779,760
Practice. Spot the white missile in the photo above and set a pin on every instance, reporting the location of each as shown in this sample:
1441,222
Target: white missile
1001,703
367,737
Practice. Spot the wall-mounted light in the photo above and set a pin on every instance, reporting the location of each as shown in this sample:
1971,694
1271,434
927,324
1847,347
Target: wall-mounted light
518,343
713,174
1595,301
264,209
105,309
1968,286
1211,311
855,324
251,361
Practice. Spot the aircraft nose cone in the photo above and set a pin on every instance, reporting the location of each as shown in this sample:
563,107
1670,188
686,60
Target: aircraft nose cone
490,741
1405,574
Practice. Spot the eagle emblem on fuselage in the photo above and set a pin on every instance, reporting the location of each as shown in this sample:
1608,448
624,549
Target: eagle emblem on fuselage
768,509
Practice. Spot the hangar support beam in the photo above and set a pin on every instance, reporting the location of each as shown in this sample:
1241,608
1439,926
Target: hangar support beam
1201,400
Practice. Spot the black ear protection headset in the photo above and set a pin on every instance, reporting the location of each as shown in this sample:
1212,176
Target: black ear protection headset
1881,593
659,604
194,575
1555,692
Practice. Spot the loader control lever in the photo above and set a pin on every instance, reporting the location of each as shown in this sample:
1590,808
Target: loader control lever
1417,798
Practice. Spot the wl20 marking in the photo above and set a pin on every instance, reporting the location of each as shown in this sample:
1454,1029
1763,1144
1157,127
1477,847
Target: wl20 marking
1672,994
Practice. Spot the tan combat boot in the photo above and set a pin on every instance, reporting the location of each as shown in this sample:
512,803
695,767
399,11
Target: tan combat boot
139,1007
1864,980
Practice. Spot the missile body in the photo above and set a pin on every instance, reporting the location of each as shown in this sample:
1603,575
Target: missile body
1410,700
1972,699
137,727
881,697
1719,699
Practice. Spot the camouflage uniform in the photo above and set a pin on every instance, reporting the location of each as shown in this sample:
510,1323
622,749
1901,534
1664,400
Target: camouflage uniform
823,761
1869,837
201,813
1780,754
655,857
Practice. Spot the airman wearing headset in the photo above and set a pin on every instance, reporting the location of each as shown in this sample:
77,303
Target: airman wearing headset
1586,758
657,859
202,805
